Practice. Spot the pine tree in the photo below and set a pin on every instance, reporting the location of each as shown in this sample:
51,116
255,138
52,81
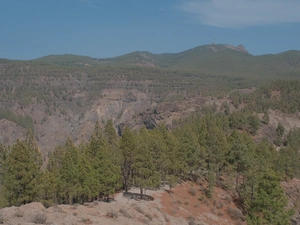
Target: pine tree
161,159
266,118
21,171
53,167
268,203
217,148
194,154
128,149
289,162
145,174
69,170
47,188
104,162
280,129
240,154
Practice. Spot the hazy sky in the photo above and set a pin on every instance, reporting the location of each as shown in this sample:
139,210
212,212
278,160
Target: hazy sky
105,28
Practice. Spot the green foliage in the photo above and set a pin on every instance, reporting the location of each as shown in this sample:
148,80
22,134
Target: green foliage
282,95
266,118
280,129
267,205
208,146
128,149
23,121
145,172
21,172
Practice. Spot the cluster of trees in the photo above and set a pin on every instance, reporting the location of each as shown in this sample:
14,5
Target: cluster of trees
283,95
207,146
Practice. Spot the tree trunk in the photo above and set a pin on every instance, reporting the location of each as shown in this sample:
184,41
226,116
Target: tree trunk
141,191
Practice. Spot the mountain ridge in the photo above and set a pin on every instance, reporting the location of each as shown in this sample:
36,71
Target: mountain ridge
213,47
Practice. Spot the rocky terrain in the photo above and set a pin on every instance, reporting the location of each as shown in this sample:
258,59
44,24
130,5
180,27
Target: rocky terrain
184,204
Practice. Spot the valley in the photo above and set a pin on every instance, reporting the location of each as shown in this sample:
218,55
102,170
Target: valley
210,122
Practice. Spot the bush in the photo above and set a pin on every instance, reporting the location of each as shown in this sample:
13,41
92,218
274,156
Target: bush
140,210
39,218
235,214
192,191
192,222
19,213
125,213
227,199
112,214
179,201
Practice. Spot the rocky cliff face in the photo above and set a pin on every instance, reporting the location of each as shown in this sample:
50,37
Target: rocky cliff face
131,108
77,122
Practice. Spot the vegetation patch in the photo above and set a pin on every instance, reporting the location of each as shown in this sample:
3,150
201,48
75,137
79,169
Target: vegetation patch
112,214
39,218
125,213
234,213
192,191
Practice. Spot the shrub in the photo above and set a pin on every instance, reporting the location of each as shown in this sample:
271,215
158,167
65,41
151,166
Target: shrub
86,220
112,214
192,222
39,218
218,204
19,213
125,213
192,191
179,201
227,199
139,209
235,214
201,197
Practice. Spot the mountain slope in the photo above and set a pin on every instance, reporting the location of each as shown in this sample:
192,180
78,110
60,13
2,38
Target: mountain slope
61,96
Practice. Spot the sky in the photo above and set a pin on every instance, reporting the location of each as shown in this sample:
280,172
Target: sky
31,29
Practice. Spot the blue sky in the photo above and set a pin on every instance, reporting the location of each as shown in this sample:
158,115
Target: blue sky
105,28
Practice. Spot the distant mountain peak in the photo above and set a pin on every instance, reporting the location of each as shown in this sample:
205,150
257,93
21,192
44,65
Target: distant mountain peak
221,47
240,48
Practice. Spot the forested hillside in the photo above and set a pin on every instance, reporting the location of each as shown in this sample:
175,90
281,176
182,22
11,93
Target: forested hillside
212,146
63,96
76,129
